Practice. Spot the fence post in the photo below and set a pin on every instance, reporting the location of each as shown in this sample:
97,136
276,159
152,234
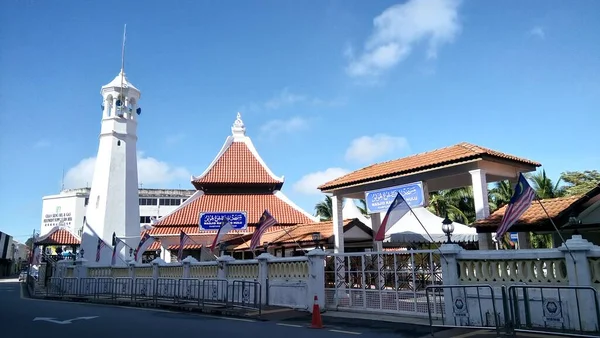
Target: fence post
131,269
578,270
156,263
80,268
316,278
263,276
222,264
450,276
187,264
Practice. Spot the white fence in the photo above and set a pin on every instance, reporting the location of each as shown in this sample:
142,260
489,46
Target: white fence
288,282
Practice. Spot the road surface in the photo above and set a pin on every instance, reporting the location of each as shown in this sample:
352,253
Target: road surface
25,317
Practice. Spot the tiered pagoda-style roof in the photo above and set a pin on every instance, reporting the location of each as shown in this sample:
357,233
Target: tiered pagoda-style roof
236,180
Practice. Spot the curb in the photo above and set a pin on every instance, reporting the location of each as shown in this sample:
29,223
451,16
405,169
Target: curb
402,327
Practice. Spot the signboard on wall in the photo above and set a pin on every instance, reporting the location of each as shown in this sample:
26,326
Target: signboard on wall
57,218
381,199
213,220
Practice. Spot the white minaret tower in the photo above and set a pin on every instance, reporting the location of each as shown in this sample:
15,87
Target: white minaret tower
114,198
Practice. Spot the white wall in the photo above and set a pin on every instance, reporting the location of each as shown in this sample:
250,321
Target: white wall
72,209
68,209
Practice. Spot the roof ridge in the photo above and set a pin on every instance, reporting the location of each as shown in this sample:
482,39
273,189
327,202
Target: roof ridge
239,136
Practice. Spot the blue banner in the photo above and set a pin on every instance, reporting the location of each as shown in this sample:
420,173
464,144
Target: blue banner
514,236
213,220
381,199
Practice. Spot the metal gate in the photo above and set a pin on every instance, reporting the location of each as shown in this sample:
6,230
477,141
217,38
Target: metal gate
389,281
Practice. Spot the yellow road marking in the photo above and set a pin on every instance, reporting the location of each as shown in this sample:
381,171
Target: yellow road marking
347,332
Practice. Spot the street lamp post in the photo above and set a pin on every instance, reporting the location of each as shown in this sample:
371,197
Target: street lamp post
316,237
448,228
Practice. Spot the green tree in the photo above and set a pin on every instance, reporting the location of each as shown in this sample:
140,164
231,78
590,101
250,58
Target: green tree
500,195
324,209
29,242
457,204
362,206
544,187
580,182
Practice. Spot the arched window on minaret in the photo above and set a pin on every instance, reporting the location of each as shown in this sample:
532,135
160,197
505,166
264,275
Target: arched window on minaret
131,106
108,106
120,106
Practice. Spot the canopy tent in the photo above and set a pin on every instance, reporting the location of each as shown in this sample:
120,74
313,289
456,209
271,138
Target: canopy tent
409,230
350,210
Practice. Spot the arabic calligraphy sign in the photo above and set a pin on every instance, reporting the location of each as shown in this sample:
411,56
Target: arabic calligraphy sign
381,199
213,220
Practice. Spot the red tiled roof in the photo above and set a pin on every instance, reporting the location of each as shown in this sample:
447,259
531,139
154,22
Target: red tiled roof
299,233
60,237
154,246
535,215
186,247
237,165
254,205
454,154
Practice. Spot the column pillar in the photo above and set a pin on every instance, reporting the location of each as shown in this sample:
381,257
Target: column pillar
450,276
375,224
316,281
579,273
222,262
263,276
338,223
482,208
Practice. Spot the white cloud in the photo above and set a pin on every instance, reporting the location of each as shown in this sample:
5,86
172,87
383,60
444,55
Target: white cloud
276,127
308,183
537,32
150,172
366,149
399,28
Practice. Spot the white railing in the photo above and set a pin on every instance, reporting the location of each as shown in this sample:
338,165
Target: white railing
555,285
290,282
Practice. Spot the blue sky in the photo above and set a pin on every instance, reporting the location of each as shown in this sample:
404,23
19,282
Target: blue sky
323,86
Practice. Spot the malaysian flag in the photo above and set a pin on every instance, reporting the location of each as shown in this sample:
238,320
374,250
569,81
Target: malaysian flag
265,222
183,238
101,245
226,226
115,243
395,212
145,242
519,203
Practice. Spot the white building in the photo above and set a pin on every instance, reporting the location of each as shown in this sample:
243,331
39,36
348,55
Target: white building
68,208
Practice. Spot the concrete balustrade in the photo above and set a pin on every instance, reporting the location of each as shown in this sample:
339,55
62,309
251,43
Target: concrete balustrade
289,282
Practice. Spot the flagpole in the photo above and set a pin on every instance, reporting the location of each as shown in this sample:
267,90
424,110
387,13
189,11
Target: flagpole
556,228
427,232
298,244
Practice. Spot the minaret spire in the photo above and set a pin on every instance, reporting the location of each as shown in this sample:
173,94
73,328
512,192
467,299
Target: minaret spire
123,58
123,49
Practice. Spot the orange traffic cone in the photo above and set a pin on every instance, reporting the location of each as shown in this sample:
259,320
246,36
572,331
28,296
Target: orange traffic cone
317,322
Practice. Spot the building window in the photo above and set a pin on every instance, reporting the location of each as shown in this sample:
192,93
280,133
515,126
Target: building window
170,201
87,201
144,219
148,201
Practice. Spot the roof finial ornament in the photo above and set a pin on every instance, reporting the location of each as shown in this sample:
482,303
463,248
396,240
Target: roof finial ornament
238,129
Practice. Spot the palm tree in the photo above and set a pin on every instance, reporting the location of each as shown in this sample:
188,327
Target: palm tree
500,195
456,203
362,206
543,186
324,209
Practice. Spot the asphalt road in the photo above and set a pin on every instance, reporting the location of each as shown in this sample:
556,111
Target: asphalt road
20,315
